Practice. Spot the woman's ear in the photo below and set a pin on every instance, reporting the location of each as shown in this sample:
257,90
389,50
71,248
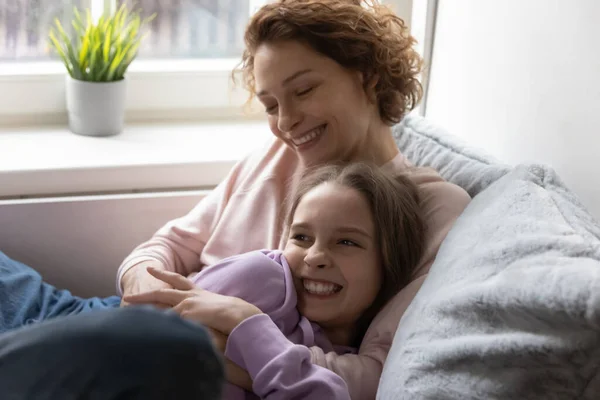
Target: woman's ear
371,83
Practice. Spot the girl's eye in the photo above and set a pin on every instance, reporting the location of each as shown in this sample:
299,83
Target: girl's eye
347,242
300,237
305,91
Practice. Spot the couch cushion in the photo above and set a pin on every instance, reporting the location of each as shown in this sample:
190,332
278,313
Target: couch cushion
426,144
511,306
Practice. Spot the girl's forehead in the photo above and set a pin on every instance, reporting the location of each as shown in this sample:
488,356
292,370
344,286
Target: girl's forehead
329,201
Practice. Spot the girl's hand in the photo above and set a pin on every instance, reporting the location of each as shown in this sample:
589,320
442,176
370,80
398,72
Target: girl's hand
221,313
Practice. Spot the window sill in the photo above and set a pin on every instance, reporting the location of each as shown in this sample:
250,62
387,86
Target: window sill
198,88
157,157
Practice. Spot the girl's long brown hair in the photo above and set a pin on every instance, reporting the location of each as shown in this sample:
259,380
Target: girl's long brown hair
398,220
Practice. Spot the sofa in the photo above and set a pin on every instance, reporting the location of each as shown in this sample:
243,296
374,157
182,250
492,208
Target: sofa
511,306
509,310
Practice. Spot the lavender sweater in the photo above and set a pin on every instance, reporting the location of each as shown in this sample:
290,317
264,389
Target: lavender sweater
272,347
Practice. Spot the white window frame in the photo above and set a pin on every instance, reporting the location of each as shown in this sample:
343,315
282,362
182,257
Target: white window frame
32,93
422,28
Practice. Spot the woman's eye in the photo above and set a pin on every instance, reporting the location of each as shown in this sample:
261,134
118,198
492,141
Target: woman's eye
347,242
271,110
305,91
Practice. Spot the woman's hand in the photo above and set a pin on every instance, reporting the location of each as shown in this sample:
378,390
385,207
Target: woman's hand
138,280
221,313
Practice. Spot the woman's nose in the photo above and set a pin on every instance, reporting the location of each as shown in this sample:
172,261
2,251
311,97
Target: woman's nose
288,119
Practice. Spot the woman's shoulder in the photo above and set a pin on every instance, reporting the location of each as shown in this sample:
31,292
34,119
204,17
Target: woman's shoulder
442,203
436,193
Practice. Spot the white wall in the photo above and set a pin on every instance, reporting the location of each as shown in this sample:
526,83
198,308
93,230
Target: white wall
521,78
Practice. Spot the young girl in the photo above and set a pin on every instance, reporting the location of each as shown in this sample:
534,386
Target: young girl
342,262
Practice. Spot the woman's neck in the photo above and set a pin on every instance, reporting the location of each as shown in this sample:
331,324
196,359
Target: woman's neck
379,146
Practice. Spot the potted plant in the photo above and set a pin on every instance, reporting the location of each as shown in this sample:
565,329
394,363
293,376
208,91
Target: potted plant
96,56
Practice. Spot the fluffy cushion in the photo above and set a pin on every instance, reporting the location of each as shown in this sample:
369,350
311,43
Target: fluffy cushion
425,144
511,306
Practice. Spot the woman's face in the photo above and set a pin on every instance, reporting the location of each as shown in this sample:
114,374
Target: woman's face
334,258
317,107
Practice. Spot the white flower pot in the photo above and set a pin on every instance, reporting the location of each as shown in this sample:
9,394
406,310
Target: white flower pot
96,108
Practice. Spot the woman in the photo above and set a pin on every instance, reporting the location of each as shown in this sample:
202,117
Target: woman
333,77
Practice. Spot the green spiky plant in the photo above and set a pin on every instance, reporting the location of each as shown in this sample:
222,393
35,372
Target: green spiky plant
99,51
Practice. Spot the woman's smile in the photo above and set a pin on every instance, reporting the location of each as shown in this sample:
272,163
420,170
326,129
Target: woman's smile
309,139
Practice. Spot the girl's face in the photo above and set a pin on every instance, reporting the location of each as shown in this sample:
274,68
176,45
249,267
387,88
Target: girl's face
317,107
334,257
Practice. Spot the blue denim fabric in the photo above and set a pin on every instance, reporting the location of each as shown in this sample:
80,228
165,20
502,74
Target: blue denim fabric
25,298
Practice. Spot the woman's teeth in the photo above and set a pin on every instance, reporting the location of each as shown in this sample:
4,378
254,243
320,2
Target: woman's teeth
320,288
309,136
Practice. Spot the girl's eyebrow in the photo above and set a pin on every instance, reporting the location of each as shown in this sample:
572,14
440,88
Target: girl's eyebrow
287,80
354,229
343,229
300,225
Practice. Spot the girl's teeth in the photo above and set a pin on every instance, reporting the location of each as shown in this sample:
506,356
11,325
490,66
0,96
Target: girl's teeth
321,288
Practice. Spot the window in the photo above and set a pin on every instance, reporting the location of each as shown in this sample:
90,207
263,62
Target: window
24,24
181,29
183,69
194,28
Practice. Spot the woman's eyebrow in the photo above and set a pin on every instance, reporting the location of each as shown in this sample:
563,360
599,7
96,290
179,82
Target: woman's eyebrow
289,79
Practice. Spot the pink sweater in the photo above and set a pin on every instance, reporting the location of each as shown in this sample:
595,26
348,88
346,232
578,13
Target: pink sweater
246,212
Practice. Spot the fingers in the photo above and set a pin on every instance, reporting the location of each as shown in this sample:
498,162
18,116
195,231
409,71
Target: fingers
188,309
177,281
167,297
157,305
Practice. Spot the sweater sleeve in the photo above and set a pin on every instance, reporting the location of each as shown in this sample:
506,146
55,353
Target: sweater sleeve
442,203
179,243
279,368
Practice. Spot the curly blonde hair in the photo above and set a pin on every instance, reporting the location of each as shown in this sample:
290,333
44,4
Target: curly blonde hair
361,36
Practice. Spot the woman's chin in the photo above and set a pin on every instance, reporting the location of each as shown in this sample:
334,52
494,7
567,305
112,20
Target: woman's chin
314,158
